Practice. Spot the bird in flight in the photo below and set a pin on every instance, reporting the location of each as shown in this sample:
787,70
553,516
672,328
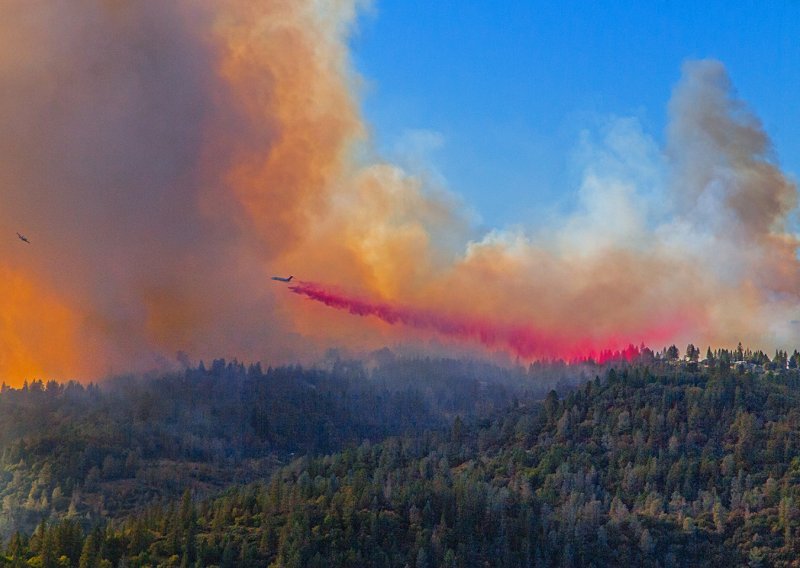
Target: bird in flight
23,238
280,279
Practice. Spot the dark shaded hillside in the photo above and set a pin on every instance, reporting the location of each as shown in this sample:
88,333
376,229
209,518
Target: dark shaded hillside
99,452
681,468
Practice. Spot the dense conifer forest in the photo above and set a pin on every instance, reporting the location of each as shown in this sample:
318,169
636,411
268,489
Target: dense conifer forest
100,452
663,461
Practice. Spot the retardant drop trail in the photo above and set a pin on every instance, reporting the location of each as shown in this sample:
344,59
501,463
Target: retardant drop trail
527,342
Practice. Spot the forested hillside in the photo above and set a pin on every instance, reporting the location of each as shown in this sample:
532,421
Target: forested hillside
100,452
664,467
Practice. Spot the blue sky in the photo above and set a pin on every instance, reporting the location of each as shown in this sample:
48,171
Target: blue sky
504,89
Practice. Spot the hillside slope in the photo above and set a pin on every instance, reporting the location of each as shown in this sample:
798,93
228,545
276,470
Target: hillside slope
98,453
676,468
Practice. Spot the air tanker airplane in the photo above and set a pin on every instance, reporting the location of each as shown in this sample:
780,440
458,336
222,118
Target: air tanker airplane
280,279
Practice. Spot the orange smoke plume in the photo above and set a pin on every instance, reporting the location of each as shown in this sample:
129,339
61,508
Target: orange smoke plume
35,327
166,158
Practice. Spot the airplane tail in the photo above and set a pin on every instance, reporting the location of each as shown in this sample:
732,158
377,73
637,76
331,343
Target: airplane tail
290,278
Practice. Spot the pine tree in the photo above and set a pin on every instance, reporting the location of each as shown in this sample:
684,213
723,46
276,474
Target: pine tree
89,554
47,552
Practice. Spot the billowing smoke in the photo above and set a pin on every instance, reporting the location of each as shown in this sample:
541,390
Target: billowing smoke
166,158
160,156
